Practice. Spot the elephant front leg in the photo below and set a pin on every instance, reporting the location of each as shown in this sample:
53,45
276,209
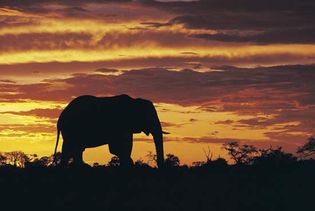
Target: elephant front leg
122,148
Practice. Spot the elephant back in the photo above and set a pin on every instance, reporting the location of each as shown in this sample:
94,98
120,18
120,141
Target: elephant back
95,114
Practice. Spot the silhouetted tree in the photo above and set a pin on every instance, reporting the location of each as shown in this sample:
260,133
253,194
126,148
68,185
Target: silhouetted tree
273,157
114,162
308,149
240,154
172,160
3,159
17,158
208,155
45,161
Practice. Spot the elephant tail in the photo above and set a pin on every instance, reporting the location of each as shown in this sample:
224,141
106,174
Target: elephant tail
58,134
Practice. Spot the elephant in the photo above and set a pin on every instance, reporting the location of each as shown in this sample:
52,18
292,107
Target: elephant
89,121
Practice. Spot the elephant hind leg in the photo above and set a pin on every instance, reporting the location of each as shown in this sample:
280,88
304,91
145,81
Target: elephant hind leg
123,151
70,153
73,157
65,155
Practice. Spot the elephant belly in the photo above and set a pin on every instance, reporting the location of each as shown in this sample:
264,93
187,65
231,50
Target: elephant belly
94,140
95,143
88,135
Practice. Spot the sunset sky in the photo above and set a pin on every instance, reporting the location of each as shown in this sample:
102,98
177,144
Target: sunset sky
216,70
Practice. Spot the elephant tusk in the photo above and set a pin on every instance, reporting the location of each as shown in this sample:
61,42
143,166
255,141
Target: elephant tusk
165,132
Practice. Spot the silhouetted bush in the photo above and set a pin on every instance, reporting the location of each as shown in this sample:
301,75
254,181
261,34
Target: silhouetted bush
274,157
114,162
240,154
179,188
308,149
220,162
172,160
44,161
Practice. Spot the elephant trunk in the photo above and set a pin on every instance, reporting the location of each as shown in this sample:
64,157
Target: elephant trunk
158,141
156,130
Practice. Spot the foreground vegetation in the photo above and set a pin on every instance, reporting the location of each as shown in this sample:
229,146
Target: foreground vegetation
211,187
268,179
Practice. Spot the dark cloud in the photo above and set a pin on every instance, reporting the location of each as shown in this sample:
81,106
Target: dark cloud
285,85
282,97
54,69
235,21
9,22
21,130
33,3
284,36
107,70
203,6
272,21
84,40
7,81
170,124
101,10
144,38
227,122
255,122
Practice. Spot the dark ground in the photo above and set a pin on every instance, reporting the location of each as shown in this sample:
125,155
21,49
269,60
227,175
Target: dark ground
225,188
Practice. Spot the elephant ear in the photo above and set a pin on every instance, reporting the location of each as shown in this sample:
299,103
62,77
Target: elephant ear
141,116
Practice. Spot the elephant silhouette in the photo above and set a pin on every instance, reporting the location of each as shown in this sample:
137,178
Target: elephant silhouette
89,121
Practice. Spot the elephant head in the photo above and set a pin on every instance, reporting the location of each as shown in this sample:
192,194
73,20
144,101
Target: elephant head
147,121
